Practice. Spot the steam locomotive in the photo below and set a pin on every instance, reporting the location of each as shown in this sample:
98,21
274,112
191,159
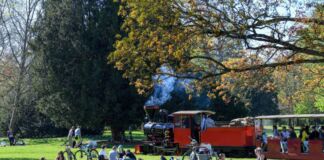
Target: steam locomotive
158,128
172,133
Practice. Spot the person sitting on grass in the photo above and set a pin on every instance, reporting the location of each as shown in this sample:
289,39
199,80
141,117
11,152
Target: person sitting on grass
121,152
222,156
130,155
102,153
60,156
162,157
113,155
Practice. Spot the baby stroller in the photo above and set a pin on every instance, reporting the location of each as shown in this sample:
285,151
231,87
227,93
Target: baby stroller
199,152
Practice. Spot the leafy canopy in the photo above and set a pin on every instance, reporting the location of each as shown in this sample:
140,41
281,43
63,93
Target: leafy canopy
216,42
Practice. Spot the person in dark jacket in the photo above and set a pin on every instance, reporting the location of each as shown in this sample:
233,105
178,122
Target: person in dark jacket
130,155
162,157
292,133
275,131
11,137
314,134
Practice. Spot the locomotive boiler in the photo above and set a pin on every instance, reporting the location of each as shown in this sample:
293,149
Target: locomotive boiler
158,127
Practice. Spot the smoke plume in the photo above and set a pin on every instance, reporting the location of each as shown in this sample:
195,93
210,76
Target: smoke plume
163,87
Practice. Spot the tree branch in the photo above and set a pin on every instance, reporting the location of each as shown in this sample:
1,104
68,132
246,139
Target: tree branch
210,59
244,69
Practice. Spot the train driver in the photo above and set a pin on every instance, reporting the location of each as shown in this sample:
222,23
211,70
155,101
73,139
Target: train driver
206,122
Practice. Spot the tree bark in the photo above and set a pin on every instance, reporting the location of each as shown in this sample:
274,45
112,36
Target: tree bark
117,133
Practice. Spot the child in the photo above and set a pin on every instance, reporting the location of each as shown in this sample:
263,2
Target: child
222,156
60,156
162,157
259,154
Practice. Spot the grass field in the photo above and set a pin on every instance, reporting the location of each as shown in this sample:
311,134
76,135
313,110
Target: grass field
48,148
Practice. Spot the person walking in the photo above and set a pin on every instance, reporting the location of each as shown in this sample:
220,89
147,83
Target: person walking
11,137
77,136
70,136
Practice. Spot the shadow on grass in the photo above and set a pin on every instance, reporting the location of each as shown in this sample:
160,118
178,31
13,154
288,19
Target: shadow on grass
18,159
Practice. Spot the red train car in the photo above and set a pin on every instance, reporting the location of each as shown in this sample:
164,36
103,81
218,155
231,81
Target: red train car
234,139
273,149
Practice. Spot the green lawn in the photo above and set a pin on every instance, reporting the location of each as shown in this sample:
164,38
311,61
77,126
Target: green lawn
48,148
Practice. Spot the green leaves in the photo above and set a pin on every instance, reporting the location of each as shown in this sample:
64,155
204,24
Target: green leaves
74,40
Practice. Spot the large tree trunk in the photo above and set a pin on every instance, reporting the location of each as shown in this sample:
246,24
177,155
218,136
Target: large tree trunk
117,133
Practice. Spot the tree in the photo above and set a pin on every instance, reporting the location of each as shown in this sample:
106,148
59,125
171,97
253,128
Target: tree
75,84
16,21
207,40
300,87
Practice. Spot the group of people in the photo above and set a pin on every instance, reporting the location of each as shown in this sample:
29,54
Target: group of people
116,154
304,136
76,134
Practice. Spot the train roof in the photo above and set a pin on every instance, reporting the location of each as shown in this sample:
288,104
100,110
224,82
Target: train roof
193,112
291,116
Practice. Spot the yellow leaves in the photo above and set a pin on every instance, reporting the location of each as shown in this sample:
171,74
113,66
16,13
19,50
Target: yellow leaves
119,65
236,62
170,49
211,95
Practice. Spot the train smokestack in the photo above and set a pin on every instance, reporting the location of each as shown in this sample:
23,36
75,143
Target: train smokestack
151,111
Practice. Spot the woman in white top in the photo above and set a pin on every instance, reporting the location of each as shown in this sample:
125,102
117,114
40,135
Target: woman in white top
102,153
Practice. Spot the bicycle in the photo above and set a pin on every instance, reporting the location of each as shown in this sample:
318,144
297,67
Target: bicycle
68,154
86,153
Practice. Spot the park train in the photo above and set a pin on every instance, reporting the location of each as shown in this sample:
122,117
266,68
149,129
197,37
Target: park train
174,133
